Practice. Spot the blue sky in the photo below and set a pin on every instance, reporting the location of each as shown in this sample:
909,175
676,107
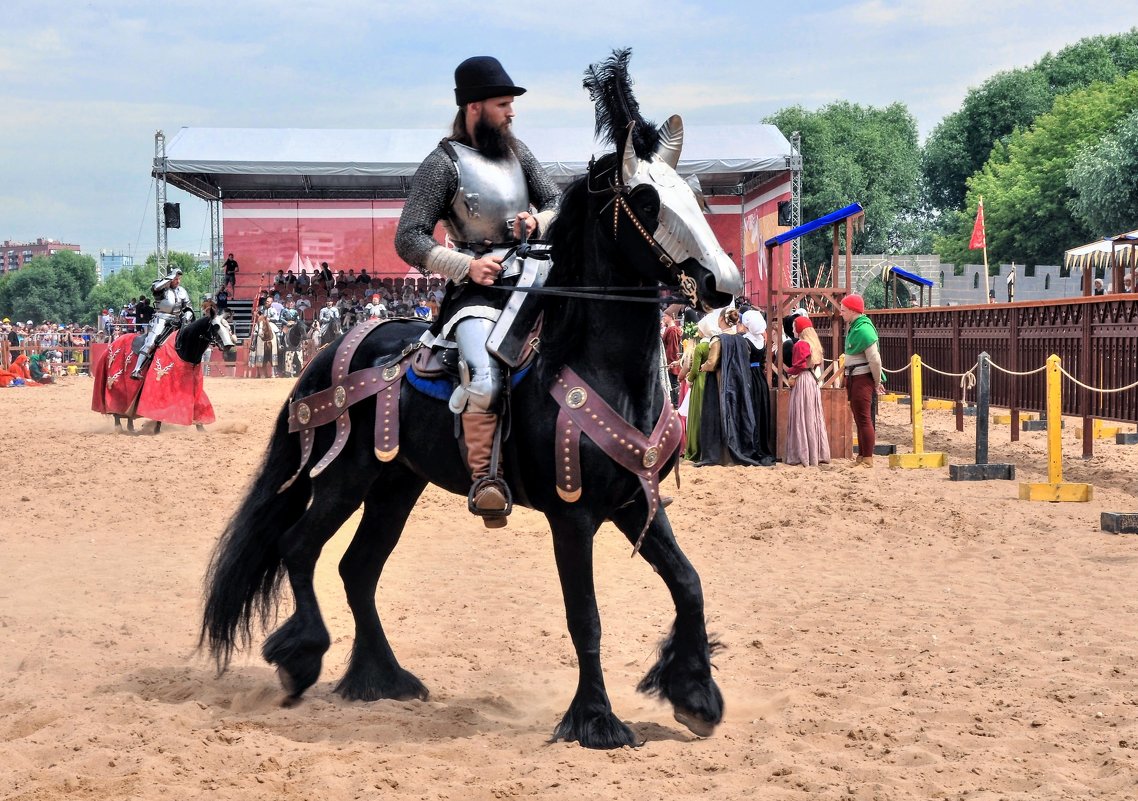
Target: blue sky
84,85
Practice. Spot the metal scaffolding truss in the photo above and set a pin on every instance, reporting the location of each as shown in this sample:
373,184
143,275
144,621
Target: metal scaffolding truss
160,170
795,206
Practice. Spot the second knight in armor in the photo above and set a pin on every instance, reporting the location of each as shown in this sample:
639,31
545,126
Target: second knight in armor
484,185
172,308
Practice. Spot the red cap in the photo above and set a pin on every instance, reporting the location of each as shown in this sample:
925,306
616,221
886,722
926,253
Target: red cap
801,323
854,303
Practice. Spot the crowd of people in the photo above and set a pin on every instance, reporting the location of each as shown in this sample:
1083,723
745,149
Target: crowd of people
354,297
39,354
716,366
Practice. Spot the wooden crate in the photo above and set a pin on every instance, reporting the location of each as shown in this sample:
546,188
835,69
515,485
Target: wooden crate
839,421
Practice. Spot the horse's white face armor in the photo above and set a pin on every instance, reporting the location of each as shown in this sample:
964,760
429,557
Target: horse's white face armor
682,231
224,334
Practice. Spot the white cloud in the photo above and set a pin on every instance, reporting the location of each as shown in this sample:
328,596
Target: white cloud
84,86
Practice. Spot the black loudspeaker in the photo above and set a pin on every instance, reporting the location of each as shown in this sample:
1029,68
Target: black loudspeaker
784,212
172,212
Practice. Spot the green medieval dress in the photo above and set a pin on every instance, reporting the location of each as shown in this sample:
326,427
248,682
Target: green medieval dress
696,380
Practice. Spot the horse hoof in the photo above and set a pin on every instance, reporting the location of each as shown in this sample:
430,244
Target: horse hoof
697,726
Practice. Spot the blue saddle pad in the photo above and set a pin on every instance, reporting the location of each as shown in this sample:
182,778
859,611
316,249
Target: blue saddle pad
441,388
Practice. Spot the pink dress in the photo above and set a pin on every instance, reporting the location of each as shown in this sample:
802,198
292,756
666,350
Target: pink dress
806,440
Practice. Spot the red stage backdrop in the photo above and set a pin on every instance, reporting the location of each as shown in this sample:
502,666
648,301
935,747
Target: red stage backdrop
267,236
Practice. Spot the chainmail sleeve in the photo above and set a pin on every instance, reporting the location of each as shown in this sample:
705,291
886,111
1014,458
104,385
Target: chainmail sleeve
428,202
543,192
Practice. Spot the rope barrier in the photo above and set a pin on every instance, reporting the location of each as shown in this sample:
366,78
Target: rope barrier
1079,383
1013,372
968,378
941,372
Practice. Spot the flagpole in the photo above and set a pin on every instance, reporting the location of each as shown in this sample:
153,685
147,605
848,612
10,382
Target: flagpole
987,290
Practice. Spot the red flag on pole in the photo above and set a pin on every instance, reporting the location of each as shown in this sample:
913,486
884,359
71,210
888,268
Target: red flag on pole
977,242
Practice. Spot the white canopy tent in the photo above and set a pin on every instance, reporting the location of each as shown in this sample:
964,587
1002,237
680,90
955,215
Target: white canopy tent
1099,252
272,163
1113,256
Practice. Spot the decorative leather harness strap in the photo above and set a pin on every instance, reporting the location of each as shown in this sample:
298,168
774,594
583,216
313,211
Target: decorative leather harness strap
583,410
320,408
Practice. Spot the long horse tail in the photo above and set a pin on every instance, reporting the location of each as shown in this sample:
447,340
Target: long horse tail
243,582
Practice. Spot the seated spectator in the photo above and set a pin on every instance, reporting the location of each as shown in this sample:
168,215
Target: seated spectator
303,283
364,278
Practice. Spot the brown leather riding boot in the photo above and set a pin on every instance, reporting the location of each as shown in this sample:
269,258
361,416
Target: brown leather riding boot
488,495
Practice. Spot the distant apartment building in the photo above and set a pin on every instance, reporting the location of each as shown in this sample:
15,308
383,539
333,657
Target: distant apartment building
111,262
14,255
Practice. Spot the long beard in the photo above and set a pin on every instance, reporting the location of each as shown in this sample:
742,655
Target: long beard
493,143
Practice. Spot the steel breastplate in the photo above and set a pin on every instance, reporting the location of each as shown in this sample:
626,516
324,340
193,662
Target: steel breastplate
490,193
172,301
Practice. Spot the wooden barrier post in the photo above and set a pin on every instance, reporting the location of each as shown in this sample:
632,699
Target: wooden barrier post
1055,489
982,471
918,458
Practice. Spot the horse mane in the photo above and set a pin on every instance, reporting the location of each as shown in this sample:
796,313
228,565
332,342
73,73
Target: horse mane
617,112
185,330
610,88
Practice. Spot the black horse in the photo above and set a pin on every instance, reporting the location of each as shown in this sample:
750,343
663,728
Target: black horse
117,394
609,233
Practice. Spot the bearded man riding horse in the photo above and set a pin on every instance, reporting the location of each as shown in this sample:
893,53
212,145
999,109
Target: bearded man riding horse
591,427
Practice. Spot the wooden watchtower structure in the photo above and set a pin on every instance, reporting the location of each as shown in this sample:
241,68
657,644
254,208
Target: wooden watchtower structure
823,297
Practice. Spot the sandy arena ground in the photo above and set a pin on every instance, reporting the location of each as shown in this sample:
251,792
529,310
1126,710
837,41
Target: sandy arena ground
890,634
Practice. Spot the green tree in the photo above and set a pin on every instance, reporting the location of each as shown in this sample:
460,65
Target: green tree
961,144
1104,180
1026,194
51,287
123,286
854,153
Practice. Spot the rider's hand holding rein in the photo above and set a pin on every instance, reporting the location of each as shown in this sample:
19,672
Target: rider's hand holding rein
485,269
529,220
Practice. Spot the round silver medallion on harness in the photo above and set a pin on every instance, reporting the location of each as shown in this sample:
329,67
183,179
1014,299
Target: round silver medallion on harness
390,372
303,413
576,397
651,456
340,397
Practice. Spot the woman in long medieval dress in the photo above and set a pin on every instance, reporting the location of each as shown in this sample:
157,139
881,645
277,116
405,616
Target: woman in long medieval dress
807,442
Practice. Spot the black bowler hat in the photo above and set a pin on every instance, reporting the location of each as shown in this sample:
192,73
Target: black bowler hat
482,77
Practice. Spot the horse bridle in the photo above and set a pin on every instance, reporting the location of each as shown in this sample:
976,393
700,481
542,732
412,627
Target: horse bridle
685,284
620,192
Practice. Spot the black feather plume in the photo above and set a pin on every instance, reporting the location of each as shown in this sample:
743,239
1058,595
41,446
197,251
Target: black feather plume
610,88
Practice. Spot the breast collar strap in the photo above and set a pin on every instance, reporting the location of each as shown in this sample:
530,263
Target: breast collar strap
583,410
